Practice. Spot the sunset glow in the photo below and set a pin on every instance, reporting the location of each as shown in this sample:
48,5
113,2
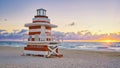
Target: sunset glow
109,41
106,41
79,20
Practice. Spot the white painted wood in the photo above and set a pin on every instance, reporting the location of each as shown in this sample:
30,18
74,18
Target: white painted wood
40,36
38,30
41,19
52,51
35,52
42,43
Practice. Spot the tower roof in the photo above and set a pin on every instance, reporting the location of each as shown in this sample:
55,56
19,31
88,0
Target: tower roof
41,9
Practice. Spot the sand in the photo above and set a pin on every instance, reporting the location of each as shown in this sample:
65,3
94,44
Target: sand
10,57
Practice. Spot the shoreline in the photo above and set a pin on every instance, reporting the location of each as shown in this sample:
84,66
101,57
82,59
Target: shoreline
97,50
71,41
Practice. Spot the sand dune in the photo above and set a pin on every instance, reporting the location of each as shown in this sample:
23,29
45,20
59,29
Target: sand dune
10,57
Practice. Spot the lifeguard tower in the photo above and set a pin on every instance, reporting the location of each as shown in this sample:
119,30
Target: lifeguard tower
40,41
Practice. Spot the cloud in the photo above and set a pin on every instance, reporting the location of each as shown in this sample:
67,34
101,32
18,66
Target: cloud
3,20
86,36
23,31
2,30
84,31
13,36
81,35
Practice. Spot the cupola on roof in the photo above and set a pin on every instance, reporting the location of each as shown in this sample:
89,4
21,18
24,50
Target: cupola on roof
41,12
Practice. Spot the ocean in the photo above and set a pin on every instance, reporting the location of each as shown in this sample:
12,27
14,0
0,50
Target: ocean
99,46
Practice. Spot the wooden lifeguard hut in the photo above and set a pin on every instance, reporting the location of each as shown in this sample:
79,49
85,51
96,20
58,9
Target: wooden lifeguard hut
40,41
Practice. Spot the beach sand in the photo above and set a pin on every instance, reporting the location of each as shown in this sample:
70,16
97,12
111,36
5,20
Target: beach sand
10,57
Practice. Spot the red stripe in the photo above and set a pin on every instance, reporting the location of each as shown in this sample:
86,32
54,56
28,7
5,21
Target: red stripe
36,48
34,27
33,33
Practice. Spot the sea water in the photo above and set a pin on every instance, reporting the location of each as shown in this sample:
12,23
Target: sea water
101,46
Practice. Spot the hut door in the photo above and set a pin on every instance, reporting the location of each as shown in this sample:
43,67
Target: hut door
36,37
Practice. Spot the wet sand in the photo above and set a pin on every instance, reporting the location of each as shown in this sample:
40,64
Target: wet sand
10,57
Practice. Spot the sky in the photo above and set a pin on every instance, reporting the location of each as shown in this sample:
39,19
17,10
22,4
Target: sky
94,16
